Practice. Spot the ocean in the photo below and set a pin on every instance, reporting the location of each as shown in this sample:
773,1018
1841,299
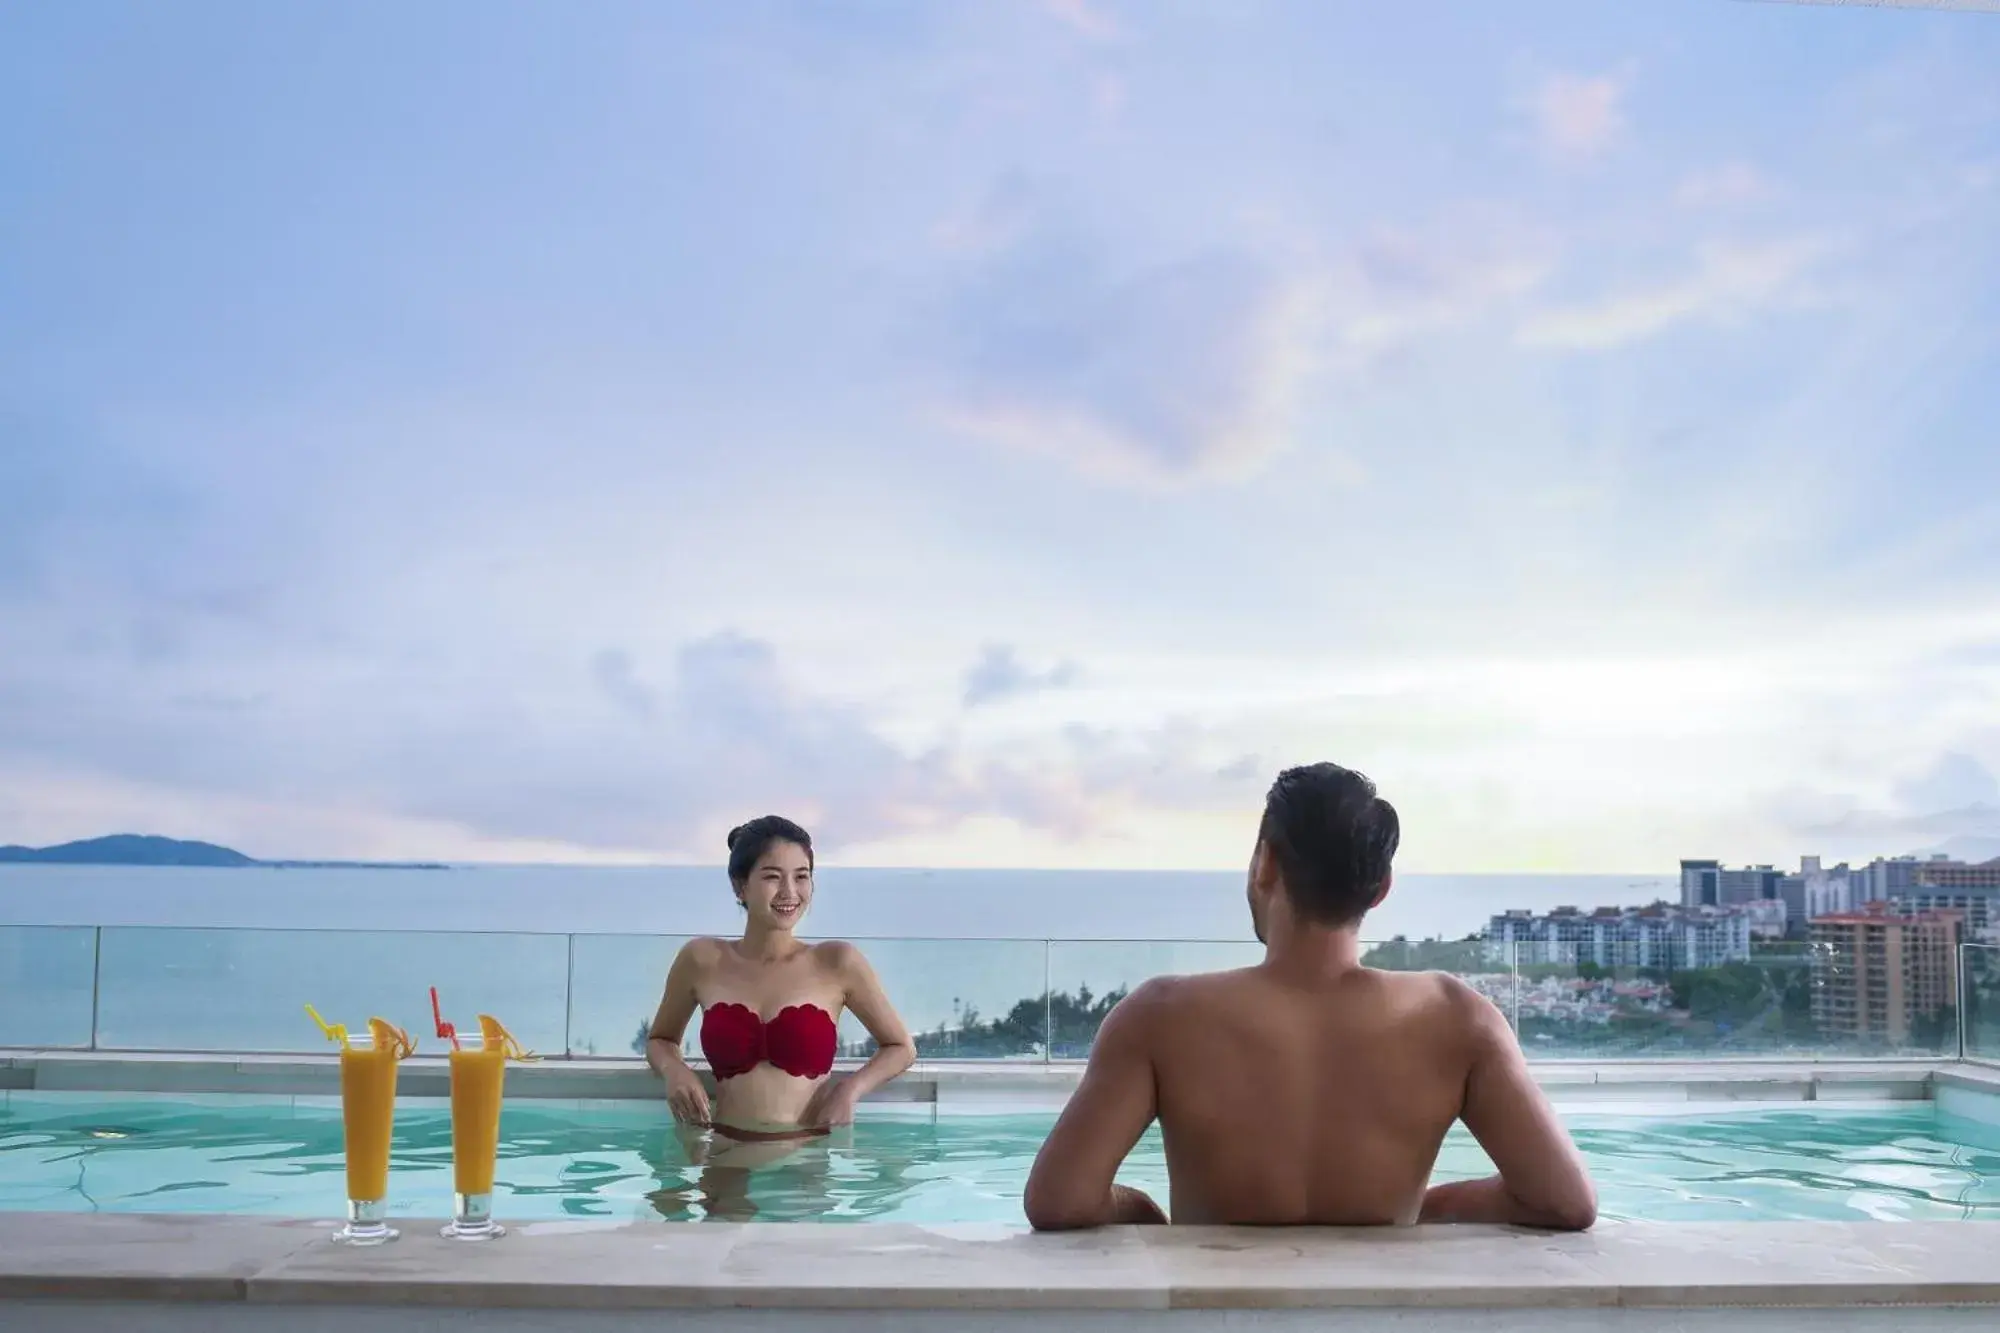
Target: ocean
574,957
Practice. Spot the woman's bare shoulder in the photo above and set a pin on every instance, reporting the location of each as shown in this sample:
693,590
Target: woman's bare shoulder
839,957
703,951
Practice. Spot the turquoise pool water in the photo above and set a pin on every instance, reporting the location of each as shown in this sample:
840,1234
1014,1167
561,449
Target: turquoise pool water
282,1156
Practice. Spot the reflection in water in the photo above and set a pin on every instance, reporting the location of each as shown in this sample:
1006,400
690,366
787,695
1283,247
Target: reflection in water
626,1161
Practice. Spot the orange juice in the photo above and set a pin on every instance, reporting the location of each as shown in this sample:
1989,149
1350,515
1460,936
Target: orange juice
368,1117
477,1076
368,1123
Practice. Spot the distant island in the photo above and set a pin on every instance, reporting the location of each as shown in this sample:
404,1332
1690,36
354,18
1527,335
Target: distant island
135,849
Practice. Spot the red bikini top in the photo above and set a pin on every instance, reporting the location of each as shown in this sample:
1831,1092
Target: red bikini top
800,1040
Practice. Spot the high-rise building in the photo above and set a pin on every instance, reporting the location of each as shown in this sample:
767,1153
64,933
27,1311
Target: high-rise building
1939,873
1829,891
1792,890
1909,885
1875,974
1661,936
1751,884
1954,886
1885,877
1701,884
1768,918
1712,884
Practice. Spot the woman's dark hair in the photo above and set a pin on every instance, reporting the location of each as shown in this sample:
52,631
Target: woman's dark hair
749,841
1333,839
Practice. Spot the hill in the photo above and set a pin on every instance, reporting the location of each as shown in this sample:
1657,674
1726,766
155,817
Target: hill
128,849
134,849
1969,848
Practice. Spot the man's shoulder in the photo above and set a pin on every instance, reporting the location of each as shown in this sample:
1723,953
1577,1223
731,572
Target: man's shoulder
1449,999
1140,1011
1168,1000
1152,995
1167,992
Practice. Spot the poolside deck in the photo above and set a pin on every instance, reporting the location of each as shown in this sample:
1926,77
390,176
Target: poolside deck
65,1272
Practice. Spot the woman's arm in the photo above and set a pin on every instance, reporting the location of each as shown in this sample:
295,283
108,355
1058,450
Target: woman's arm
685,1093
834,1102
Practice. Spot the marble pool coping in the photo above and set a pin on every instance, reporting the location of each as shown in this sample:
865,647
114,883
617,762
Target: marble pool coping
899,1267
69,1270
970,1086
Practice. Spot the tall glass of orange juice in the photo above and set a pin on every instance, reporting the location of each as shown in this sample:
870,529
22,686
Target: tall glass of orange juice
368,1123
478,1076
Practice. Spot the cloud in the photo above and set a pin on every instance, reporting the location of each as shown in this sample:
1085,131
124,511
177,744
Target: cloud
1953,801
1956,781
1083,18
1002,217
1718,187
612,669
1579,117
1730,282
1150,373
624,760
1001,674
1084,780
1190,369
1398,286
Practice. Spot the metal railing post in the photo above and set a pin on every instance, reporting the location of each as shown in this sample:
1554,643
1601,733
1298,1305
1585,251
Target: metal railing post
96,975
1048,1006
1514,986
569,997
1962,964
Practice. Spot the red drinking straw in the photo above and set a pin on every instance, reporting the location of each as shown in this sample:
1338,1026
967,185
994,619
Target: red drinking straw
445,1029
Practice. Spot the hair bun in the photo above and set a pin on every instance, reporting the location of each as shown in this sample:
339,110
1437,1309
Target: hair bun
734,834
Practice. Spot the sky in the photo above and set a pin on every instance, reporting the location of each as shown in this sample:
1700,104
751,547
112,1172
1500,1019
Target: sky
1000,434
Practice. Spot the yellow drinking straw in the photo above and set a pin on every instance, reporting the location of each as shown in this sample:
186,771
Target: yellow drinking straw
334,1032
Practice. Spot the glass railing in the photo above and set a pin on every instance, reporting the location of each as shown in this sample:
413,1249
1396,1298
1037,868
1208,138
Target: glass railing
1979,1001
1779,999
224,990
165,988
47,974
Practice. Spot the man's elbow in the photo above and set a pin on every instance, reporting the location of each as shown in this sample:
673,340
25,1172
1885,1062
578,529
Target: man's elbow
1048,1210
1582,1216
1574,1211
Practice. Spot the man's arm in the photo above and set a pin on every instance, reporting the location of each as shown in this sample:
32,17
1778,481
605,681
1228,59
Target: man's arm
1542,1181
1071,1185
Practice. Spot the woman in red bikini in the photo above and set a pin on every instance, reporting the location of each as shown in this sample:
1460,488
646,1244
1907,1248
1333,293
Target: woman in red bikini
771,1004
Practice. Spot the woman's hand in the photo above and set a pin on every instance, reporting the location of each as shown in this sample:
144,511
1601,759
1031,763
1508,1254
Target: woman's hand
832,1104
686,1096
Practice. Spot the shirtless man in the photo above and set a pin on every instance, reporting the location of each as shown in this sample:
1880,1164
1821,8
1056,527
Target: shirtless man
1310,1089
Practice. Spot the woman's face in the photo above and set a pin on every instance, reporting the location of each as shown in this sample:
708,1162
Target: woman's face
780,887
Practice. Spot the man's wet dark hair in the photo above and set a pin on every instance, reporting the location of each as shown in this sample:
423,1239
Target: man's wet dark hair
749,841
1333,839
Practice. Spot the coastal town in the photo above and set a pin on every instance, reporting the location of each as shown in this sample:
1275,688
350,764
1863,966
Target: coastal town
1758,958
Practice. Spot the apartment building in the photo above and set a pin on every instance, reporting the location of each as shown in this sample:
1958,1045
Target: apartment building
1877,972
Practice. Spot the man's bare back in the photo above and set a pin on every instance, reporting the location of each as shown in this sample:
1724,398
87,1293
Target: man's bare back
1308,1089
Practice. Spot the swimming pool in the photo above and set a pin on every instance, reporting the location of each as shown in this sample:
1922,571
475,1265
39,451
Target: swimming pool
72,1152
